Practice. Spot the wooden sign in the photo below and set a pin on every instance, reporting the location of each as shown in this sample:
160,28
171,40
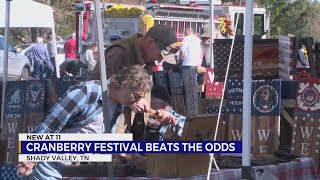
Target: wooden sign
308,97
221,51
234,88
213,89
265,114
288,89
8,171
191,91
57,88
183,165
176,92
265,134
234,106
266,98
306,137
35,97
286,46
15,108
302,73
265,58
306,132
161,79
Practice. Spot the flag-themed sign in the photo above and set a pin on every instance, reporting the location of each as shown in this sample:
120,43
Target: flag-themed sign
14,111
213,89
306,137
234,106
234,93
266,98
234,88
213,109
161,79
308,97
9,172
265,58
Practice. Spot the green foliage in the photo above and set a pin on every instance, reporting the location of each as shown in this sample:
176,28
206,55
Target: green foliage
299,17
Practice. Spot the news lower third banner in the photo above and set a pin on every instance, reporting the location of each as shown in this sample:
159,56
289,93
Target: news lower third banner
100,147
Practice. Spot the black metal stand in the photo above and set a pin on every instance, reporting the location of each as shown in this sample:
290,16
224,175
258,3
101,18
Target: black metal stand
246,172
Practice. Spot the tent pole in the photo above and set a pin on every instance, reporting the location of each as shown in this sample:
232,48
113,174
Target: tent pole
211,17
247,81
103,77
5,59
53,32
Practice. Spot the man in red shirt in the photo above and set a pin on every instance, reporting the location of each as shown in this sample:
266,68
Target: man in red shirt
70,47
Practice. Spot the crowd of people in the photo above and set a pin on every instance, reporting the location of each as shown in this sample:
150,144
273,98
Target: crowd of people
129,64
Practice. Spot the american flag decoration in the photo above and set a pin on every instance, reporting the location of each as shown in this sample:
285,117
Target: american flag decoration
234,106
8,172
221,51
266,98
213,89
213,110
234,88
308,97
234,94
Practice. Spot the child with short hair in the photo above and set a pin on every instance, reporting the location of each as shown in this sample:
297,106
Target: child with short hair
161,100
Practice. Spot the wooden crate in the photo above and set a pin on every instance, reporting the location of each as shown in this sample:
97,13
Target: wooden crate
286,47
182,165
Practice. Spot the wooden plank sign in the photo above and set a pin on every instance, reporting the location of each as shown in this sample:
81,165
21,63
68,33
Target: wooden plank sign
286,46
234,94
221,51
308,98
57,89
265,58
176,93
213,89
234,88
306,132
182,165
15,108
35,98
161,79
191,91
265,134
265,111
266,98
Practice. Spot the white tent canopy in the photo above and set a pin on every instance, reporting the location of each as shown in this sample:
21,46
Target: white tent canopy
27,13
23,13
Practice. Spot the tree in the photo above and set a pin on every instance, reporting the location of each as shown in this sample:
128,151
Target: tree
299,17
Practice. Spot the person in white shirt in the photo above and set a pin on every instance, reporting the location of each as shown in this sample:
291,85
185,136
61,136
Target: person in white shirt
190,51
88,57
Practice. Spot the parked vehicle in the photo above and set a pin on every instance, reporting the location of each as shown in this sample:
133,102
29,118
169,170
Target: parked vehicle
23,49
18,65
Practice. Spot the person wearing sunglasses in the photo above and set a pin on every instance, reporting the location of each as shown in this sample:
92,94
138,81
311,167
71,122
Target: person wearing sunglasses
159,41
80,111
